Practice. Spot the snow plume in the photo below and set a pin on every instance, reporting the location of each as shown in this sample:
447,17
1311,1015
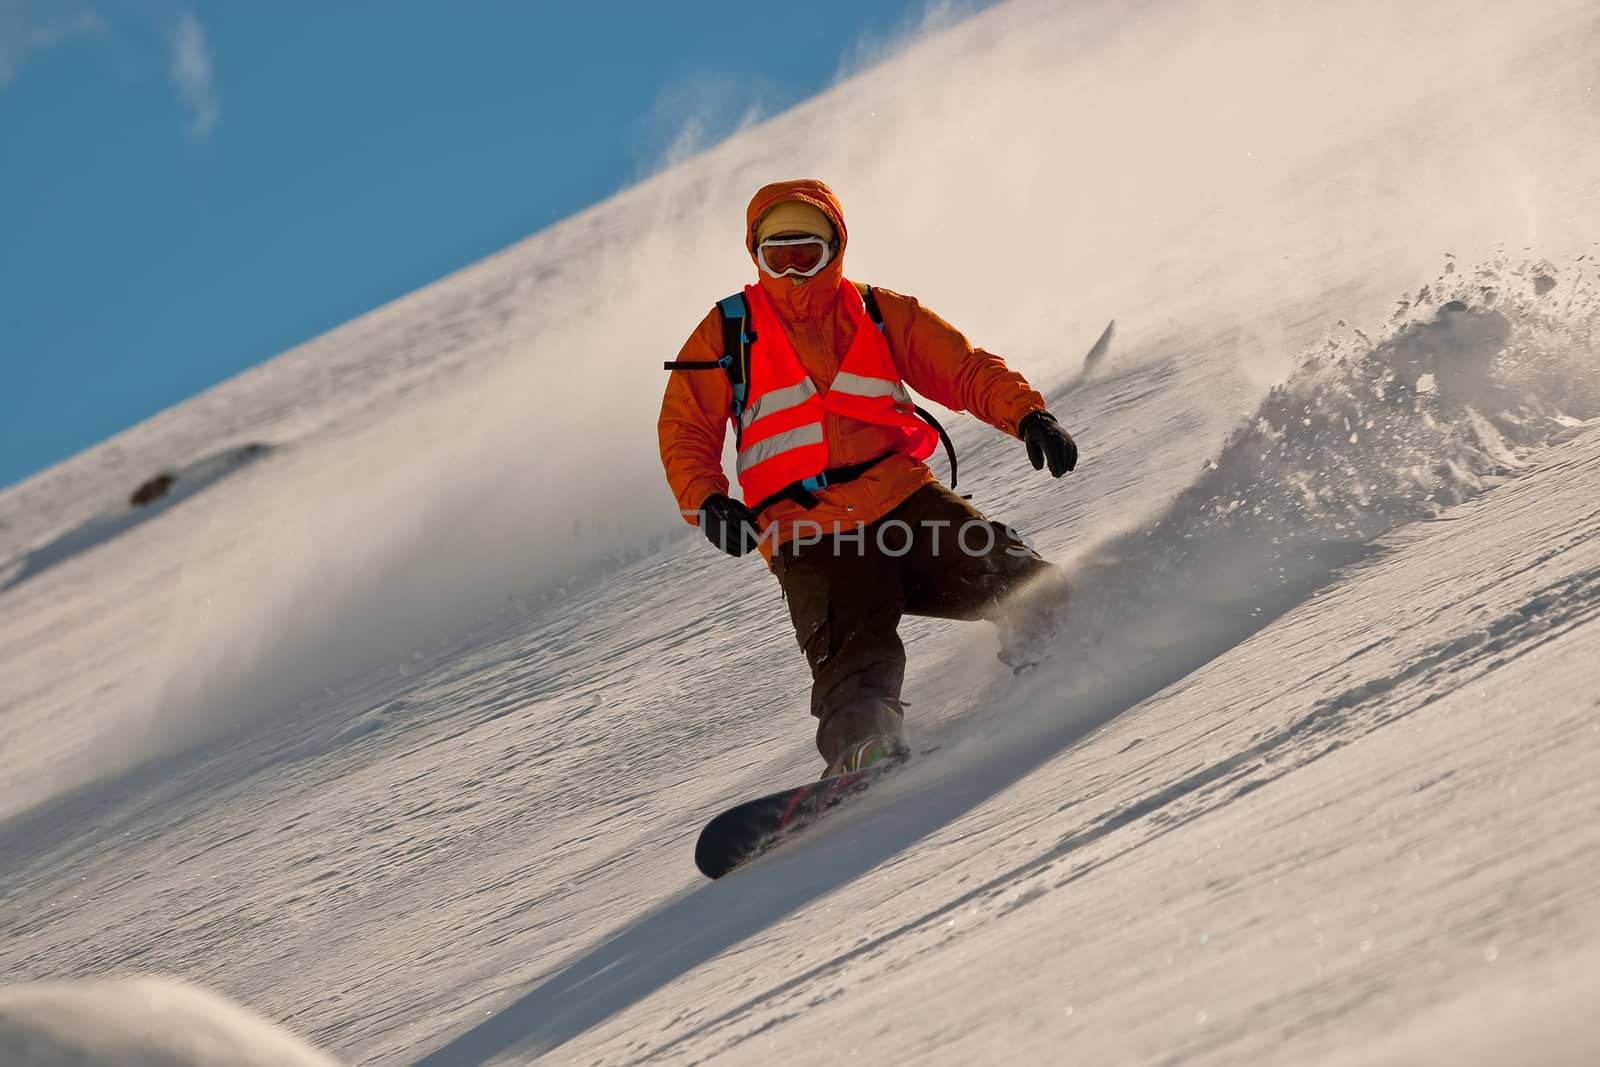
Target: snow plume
139,1022
1271,158
1364,439
1474,374
1367,435
695,112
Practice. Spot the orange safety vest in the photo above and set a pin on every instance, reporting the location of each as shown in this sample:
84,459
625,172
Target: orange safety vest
780,423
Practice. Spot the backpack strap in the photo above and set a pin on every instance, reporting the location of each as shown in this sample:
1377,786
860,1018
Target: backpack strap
737,337
944,438
735,360
870,298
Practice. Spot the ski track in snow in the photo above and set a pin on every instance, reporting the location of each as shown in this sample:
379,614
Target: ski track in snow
366,734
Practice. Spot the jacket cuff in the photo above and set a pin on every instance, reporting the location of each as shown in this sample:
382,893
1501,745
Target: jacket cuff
698,492
1016,425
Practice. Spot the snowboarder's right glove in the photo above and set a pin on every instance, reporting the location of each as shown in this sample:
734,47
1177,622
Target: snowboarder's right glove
1046,440
728,524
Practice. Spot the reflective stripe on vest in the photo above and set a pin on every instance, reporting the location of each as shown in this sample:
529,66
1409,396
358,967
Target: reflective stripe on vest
777,400
860,385
781,427
761,451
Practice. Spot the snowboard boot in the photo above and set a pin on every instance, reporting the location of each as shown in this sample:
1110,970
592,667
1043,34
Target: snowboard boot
868,752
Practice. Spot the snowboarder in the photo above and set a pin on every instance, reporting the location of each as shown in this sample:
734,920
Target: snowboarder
812,370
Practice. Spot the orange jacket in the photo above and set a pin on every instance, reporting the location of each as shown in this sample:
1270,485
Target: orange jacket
932,356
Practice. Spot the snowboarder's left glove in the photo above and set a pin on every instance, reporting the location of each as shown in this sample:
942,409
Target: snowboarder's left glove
1046,440
728,524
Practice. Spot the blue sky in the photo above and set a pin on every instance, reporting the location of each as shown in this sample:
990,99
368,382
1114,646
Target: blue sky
187,190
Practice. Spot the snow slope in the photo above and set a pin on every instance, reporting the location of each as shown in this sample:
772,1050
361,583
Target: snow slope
400,733
139,1022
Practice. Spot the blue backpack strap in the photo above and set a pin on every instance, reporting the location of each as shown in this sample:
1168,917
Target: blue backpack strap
735,359
737,337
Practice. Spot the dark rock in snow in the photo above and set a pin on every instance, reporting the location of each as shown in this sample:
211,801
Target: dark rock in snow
152,490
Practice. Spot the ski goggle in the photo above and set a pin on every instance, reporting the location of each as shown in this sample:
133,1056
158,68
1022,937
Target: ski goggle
801,257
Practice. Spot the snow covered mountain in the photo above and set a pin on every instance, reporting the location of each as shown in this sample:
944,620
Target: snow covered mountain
393,706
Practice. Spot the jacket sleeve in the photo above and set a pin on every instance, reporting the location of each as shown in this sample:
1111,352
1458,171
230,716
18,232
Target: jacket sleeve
937,361
694,421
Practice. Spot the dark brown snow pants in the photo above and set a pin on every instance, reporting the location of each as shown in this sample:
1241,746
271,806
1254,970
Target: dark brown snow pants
934,555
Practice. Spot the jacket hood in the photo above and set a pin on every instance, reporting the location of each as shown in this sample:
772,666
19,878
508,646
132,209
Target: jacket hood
799,298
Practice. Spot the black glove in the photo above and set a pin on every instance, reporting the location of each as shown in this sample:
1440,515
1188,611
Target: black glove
728,524
1046,440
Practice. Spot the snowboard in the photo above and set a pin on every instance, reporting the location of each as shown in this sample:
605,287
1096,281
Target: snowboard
748,830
